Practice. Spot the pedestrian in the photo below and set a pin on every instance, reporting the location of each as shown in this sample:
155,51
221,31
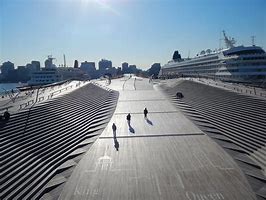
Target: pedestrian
128,118
114,130
145,112
6,115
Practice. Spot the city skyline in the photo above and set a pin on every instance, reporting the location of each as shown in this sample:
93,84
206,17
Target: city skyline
133,31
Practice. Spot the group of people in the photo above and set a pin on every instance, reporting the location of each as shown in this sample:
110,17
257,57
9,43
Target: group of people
145,112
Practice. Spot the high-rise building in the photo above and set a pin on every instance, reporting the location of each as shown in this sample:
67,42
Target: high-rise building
29,67
23,73
124,67
7,67
36,65
89,68
69,73
132,69
33,66
104,65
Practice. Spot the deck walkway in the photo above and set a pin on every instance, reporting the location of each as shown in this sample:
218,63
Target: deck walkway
163,157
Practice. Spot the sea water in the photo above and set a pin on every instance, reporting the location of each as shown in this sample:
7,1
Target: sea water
5,87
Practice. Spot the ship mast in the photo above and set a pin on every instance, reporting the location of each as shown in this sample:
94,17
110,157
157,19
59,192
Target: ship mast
64,60
253,40
229,42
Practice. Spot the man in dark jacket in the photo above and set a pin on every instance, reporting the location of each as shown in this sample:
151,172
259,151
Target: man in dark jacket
145,112
114,130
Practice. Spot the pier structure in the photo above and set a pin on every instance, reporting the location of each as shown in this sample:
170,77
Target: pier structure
208,143
163,156
41,145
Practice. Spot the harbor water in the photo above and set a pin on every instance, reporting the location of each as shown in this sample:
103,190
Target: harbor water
4,87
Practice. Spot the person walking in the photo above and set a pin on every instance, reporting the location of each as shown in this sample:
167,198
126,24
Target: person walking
128,118
114,130
6,115
145,112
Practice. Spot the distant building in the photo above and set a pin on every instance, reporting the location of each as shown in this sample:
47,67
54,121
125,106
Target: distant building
76,64
89,69
6,68
21,68
132,69
111,71
88,66
124,67
36,65
104,65
119,71
23,74
31,68
70,73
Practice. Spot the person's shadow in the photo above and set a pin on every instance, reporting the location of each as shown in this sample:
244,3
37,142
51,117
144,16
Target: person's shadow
131,129
149,122
114,134
116,144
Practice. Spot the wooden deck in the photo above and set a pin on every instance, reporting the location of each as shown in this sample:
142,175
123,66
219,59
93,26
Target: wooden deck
163,157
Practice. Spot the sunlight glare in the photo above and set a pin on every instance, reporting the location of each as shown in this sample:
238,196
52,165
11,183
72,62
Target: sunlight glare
103,4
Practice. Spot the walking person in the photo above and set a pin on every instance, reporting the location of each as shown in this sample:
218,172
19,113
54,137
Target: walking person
114,130
6,115
145,112
128,118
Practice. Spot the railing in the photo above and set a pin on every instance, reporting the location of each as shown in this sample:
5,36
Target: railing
259,92
22,100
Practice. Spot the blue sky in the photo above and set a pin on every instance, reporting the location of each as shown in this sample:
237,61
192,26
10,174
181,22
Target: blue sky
140,32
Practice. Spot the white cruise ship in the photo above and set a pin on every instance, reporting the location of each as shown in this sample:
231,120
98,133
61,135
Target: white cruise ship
235,64
46,75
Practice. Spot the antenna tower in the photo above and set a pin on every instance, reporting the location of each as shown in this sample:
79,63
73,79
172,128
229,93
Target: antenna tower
64,60
220,45
253,40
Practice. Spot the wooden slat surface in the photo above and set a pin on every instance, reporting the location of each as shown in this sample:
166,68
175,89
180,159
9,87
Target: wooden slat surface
184,165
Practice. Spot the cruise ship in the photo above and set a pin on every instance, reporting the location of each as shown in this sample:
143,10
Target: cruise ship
241,64
46,75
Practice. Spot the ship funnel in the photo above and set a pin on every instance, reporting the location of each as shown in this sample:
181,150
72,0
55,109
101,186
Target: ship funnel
176,56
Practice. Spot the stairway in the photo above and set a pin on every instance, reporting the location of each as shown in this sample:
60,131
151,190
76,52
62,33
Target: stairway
35,142
236,122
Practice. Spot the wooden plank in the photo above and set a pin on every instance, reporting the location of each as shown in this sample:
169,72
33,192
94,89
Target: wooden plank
187,167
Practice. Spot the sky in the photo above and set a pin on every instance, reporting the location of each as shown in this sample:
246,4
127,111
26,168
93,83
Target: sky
139,32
